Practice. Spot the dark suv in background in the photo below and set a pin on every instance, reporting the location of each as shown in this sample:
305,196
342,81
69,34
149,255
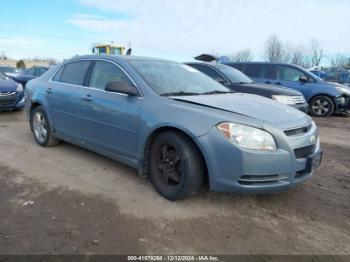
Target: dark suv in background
239,82
324,98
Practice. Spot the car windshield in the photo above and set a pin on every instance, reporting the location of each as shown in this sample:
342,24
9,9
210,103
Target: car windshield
2,76
9,69
175,79
235,76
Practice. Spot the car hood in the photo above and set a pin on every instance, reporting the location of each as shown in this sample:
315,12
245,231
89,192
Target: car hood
249,105
273,89
8,86
12,74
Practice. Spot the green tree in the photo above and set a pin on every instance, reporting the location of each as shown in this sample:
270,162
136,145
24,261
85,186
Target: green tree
21,65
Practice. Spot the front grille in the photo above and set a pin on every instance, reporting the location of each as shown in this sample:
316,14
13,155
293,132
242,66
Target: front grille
7,99
299,99
304,152
298,131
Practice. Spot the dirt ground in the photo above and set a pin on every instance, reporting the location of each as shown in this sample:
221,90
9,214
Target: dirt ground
66,200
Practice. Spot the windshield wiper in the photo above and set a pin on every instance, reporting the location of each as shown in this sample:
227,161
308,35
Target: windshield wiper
217,92
181,93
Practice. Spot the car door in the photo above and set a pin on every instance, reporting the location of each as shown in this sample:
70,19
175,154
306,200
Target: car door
63,94
289,76
110,121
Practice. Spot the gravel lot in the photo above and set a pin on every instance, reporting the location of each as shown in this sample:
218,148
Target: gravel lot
66,200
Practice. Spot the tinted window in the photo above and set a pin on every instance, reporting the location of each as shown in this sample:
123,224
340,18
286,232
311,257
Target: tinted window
165,78
254,70
234,75
73,73
29,72
104,73
209,72
39,71
269,71
287,73
239,67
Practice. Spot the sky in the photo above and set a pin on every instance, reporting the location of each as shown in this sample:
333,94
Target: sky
172,29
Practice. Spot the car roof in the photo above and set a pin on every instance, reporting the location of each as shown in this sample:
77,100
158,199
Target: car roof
118,58
257,63
215,65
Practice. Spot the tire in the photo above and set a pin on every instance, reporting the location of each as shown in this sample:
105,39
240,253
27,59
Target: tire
41,129
176,166
321,106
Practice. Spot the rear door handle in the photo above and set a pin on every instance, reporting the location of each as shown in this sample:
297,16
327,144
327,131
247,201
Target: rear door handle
88,98
49,90
267,82
278,83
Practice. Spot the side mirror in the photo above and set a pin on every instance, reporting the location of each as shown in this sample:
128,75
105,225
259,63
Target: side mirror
303,79
122,87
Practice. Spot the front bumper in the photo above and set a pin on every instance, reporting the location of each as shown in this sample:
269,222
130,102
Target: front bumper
342,104
12,100
233,169
302,107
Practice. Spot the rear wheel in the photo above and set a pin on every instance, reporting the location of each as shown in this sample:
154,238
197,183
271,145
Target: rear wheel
176,166
321,106
40,126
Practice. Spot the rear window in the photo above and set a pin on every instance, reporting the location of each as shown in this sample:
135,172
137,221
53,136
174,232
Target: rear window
261,71
73,73
254,70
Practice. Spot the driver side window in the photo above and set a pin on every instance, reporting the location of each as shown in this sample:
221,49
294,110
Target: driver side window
286,73
104,73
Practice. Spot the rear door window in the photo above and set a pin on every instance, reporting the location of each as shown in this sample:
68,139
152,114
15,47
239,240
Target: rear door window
73,73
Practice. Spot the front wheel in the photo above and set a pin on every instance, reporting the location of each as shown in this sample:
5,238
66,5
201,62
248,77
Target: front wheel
321,106
40,126
176,166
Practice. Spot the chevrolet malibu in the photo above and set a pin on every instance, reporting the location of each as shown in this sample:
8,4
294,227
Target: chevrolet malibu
173,124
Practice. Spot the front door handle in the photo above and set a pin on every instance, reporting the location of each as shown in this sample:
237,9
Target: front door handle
278,83
49,90
88,98
267,82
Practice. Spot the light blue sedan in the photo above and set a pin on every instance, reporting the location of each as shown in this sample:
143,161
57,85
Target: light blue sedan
173,124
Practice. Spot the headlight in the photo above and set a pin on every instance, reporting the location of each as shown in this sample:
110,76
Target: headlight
288,100
343,90
247,137
19,88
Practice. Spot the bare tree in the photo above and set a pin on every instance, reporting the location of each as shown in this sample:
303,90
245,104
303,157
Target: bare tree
3,55
316,52
299,56
244,55
339,61
276,51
